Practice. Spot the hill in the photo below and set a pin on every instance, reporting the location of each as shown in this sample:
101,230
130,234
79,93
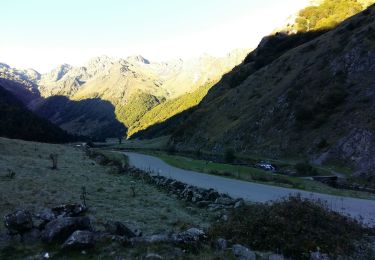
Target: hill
311,99
18,122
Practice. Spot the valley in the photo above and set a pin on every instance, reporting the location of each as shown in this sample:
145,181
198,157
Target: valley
263,153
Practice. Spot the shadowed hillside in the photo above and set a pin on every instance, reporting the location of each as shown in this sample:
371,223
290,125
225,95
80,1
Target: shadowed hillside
313,100
18,122
94,117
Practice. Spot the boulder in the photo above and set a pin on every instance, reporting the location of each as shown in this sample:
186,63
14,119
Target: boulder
61,228
80,239
318,256
224,201
189,236
69,210
212,195
31,236
19,222
152,256
158,238
46,215
117,228
275,257
243,253
239,203
221,244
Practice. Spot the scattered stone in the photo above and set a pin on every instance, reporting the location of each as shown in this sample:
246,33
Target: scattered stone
188,236
275,257
159,238
80,239
243,253
61,228
117,228
19,222
69,210
239,203
31,236
224,201
152,256
221,244
318,256
46,215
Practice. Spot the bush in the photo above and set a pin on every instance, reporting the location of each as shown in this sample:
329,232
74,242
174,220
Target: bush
305,169
229,156
293,226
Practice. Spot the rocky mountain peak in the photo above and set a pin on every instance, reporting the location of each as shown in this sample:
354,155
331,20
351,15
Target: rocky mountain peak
137,59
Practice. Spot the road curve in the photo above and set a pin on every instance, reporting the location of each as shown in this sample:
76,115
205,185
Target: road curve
254,192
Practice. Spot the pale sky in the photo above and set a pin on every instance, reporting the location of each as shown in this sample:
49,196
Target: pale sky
42,34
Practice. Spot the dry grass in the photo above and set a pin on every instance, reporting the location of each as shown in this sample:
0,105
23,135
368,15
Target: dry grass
37,186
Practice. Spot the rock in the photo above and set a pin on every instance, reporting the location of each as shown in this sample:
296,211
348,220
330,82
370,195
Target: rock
275,257
224,201
152,256
32,236
117,228
80,239
69,210
61,228
318,256
18,222
221,244
203,203
46,215
239,203
243,253
6,238
159,238
212,195
188,236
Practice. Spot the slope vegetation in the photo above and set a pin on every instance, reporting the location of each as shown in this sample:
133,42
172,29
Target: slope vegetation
18,122
315,101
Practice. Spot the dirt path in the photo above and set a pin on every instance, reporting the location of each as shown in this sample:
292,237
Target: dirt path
254,192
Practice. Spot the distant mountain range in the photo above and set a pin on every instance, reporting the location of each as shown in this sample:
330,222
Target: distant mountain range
106,96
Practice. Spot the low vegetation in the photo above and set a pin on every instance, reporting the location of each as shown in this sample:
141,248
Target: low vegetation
293,227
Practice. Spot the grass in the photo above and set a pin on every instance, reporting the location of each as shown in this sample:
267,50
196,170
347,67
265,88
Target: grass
36,186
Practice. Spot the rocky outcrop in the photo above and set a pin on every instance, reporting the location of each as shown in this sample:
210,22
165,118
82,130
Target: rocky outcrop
19,222
80,240
60,229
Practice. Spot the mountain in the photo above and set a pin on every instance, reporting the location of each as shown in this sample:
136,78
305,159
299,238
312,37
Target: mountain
310,95
133,86
20,123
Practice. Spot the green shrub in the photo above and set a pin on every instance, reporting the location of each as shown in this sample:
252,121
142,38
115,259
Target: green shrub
229,155
293,226
305,169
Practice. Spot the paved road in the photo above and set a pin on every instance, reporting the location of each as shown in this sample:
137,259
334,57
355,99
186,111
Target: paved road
253,192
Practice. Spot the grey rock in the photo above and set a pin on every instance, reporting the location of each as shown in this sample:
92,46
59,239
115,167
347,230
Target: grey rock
60,229
80,239
221,244
189,236
239,203
69,210
224,201
318,256
18,222
46,215
117,228
243,253
158,238
152,256
203,203
32,236
275,257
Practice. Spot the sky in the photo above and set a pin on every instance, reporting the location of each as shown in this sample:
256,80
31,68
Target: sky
42,34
